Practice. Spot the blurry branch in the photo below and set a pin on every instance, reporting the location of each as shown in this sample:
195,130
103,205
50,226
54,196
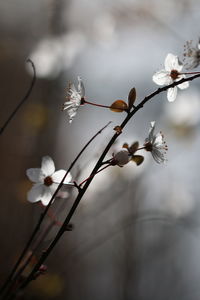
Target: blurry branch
130,13
164,25
23,99
38,225
56,18
86,248
131,220
82,190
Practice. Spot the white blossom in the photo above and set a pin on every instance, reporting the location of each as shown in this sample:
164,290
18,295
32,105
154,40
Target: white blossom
45,180
171,74
156,145
74,98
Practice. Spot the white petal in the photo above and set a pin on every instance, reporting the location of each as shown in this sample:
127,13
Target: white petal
48,167
58,176
158,140
71,89
183,85
52,188
67,105
72,113
35,175
171,94
158,156
172,63
36,193
162,77
81,87
47,195
151,132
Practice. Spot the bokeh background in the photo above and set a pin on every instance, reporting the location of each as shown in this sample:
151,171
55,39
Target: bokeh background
136,232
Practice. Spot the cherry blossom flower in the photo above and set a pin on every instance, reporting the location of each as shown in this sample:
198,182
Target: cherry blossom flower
171,74
46,181
75,98
156,145
192,54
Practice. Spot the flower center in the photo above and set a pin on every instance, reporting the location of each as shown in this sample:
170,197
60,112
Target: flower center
174,74
148,146
48,181
82,100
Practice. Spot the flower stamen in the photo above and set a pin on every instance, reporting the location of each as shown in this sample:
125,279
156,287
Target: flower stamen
174,74
48,181
148,146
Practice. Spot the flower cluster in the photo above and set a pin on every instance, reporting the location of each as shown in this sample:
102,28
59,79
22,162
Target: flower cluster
46,180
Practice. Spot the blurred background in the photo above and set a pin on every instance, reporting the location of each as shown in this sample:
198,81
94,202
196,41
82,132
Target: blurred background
136,232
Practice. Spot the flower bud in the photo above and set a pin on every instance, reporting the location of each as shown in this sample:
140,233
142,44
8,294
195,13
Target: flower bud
121,158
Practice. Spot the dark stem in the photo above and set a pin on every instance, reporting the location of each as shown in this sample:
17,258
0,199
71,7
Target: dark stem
13,282
23,100
101,105
141,148
38,225
45,254
95,104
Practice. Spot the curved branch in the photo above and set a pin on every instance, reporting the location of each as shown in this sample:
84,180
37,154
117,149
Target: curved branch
23,99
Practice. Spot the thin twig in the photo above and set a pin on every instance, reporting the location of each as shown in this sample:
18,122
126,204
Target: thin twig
95,104
23,99
13,282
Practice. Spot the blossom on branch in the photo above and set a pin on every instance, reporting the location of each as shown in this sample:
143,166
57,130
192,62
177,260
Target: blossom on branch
192,54
46,181
75,98
171,74
156,145
123,157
